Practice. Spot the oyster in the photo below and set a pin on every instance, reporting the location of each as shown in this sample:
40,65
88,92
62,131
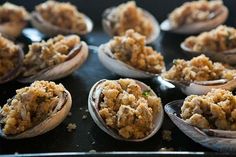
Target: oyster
219,44
62,24
12,20
154,63
66,63
94,102
200,75
215,17
218,140
57,110
110,18
11,58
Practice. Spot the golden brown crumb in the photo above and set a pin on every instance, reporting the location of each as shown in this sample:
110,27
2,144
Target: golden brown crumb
219,39
47,54
84,117
128,109
216,110
8,55
63,15
69,114
13,13
92,151
30,106
199,68
71,126
166,149
129,16
131,49
194,11
166,135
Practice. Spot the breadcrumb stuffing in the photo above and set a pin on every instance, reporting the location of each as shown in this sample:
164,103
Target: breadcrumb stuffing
215,110
126,108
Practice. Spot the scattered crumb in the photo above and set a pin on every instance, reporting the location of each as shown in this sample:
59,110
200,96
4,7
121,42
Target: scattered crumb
77,145
80,108
88,132
71,126
166,135
166,149
93,142
92,151
86,110
69,114
84,117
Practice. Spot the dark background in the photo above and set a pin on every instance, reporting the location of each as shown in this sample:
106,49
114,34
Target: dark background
88,136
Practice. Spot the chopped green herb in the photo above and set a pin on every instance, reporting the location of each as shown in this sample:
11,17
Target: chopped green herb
175,61
146,93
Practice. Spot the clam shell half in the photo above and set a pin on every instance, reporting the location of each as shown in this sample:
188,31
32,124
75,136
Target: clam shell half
16,71
218,140
51,30
93,107
217,18
53,120
108,59
77,57
107,24
203,87
228,56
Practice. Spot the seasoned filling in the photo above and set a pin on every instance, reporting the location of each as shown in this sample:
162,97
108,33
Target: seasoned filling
128,109
199,68
194,11
30,106
8,56
63,15
129,16
131,49
12,13
216,110
219,39
46,54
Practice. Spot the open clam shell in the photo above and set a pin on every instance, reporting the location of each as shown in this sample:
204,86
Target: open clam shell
107,24
217,17
202,87
108,59
53,120
76,58
93,107
51,30
228,56
16,71
218,140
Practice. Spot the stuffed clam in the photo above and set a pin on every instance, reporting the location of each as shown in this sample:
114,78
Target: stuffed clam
128,56
117,20
219,44
34,110
53,59
125,109
199,75
196,17
208,119
12,20
11,60
53,18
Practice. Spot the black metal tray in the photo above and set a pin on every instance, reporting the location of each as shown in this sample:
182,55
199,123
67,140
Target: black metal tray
88,136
